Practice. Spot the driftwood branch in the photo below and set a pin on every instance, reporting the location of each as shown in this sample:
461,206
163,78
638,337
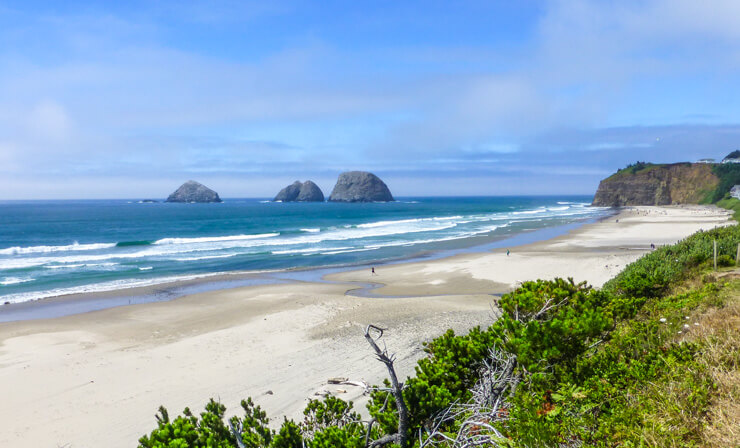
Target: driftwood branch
373,334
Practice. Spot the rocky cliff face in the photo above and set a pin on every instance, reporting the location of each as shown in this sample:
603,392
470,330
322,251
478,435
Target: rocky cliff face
680,183
360,186
192,191
300,192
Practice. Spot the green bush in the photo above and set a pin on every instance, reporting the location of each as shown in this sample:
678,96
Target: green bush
653,274
551,323
189,431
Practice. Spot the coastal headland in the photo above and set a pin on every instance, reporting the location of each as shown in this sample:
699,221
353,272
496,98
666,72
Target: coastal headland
96,379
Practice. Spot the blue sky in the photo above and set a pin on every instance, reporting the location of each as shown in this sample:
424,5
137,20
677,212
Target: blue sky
130,99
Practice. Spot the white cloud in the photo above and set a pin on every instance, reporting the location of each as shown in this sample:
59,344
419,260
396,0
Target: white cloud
111,96
48,122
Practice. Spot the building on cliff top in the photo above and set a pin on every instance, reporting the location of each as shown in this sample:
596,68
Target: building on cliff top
733,157
735,192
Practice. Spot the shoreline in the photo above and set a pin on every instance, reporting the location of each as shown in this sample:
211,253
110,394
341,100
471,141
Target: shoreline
65,380
84,302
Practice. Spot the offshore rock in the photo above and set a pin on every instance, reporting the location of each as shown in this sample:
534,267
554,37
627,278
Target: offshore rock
192,191
300,192
289,193
310,192
360,186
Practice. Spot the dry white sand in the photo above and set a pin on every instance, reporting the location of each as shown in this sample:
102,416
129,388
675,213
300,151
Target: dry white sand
96,379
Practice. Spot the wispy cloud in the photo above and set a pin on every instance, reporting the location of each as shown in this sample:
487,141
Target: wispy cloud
557,94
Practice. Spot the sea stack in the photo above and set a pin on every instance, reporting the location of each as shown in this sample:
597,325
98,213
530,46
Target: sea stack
360,186
300,192
192,191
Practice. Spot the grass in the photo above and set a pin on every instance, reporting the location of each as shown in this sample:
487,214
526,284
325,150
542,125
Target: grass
718,333
731,204
692,398
667,376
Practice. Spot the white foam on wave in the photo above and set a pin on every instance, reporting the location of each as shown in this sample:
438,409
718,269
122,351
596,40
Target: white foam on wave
311,230
371,225
83,265
309,251
47,249
71,261
360,249
101,287
15,280
530,212
146,268
215,239
206,257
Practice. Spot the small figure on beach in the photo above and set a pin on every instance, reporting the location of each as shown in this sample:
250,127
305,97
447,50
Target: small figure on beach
652,246
507,252
372,271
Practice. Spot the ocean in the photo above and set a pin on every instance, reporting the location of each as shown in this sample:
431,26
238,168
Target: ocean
53,248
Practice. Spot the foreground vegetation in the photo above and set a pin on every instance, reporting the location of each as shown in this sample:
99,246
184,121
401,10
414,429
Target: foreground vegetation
651,359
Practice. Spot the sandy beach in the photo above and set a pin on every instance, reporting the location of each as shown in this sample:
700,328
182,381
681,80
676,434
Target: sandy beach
96,379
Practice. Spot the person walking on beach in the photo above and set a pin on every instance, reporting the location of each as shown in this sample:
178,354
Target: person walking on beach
372,271
507,252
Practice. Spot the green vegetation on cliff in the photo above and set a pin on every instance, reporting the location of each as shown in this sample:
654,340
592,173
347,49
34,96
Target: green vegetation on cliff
651,359
729,176
634,168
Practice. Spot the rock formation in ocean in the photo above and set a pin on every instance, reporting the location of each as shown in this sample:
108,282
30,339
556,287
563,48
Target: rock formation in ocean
300,192
192,191
289,193
360,186
310,192
651,184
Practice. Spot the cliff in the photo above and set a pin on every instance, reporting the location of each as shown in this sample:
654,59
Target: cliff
648,184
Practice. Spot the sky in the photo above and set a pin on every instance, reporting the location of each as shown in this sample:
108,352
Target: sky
131,99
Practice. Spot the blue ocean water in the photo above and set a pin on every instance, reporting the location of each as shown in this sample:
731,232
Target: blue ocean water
51,248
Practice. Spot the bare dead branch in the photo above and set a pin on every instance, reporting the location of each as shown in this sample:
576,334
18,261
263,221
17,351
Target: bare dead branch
401,437
487,406
374,420
237,431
